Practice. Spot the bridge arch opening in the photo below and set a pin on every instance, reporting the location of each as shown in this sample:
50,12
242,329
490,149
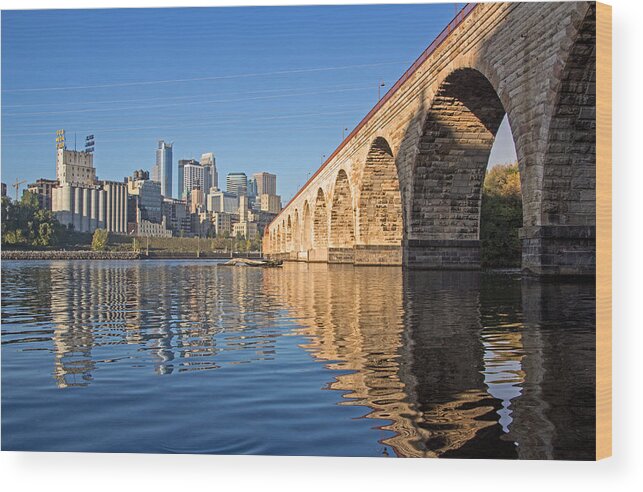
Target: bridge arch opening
379,204
458,133
307,228
296,235
342,214
320,221
279,240
501,211
283,236
289,234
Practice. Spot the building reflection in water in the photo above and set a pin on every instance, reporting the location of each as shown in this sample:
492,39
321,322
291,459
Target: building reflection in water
183,318
461,364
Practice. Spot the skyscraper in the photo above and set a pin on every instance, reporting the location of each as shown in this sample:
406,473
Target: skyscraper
252,187
183,186
193,177
180,185
163,169
266,183
208,161
237,183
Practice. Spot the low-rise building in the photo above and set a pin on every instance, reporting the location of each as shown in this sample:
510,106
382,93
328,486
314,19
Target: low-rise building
43,189
145,195
247,230
222,201
145,228
177,217
221,223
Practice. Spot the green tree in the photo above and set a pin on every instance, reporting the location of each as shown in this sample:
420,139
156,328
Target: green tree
25,224
503,180
45,235
100,239
501,217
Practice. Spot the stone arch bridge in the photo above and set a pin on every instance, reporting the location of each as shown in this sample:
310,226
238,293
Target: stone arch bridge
404,188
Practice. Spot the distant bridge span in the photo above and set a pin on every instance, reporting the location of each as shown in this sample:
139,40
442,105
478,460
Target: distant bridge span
404,188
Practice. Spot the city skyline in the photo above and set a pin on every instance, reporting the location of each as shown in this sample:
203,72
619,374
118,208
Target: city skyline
281,117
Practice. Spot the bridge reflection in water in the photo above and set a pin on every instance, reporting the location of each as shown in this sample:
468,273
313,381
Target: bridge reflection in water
462,364
448,364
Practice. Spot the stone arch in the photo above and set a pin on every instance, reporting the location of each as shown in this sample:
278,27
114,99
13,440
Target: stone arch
379,204
307,228
458,132
282,241
569,175
296,235
288,234
320,221
278,245
342,214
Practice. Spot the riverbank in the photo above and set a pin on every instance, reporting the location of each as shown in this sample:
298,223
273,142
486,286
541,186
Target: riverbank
70,255
119,255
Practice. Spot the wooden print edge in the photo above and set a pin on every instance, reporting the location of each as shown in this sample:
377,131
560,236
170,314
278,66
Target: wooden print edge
603,230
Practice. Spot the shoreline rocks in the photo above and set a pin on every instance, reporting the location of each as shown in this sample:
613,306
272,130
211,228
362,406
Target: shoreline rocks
70,255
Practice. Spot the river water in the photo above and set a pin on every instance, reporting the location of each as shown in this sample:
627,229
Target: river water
195,357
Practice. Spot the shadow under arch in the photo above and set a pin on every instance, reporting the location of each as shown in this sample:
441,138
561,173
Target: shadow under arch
342,222
288,229
379,209
296,236
443,222
306,228
319,251
282,237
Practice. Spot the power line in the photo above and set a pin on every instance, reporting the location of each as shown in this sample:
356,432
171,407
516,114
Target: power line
196,79
193,125
165,98
159,106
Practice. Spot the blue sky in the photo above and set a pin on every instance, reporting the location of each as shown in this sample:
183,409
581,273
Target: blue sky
265,89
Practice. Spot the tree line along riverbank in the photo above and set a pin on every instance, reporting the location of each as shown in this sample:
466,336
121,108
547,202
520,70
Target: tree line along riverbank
116,255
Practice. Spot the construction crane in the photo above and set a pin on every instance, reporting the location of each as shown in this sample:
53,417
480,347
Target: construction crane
16,185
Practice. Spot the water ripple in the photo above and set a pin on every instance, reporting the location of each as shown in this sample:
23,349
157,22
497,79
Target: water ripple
195,357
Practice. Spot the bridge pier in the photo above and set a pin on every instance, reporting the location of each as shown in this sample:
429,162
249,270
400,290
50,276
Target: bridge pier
318,255
341,255
377,255
551,250
559,250
442,254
